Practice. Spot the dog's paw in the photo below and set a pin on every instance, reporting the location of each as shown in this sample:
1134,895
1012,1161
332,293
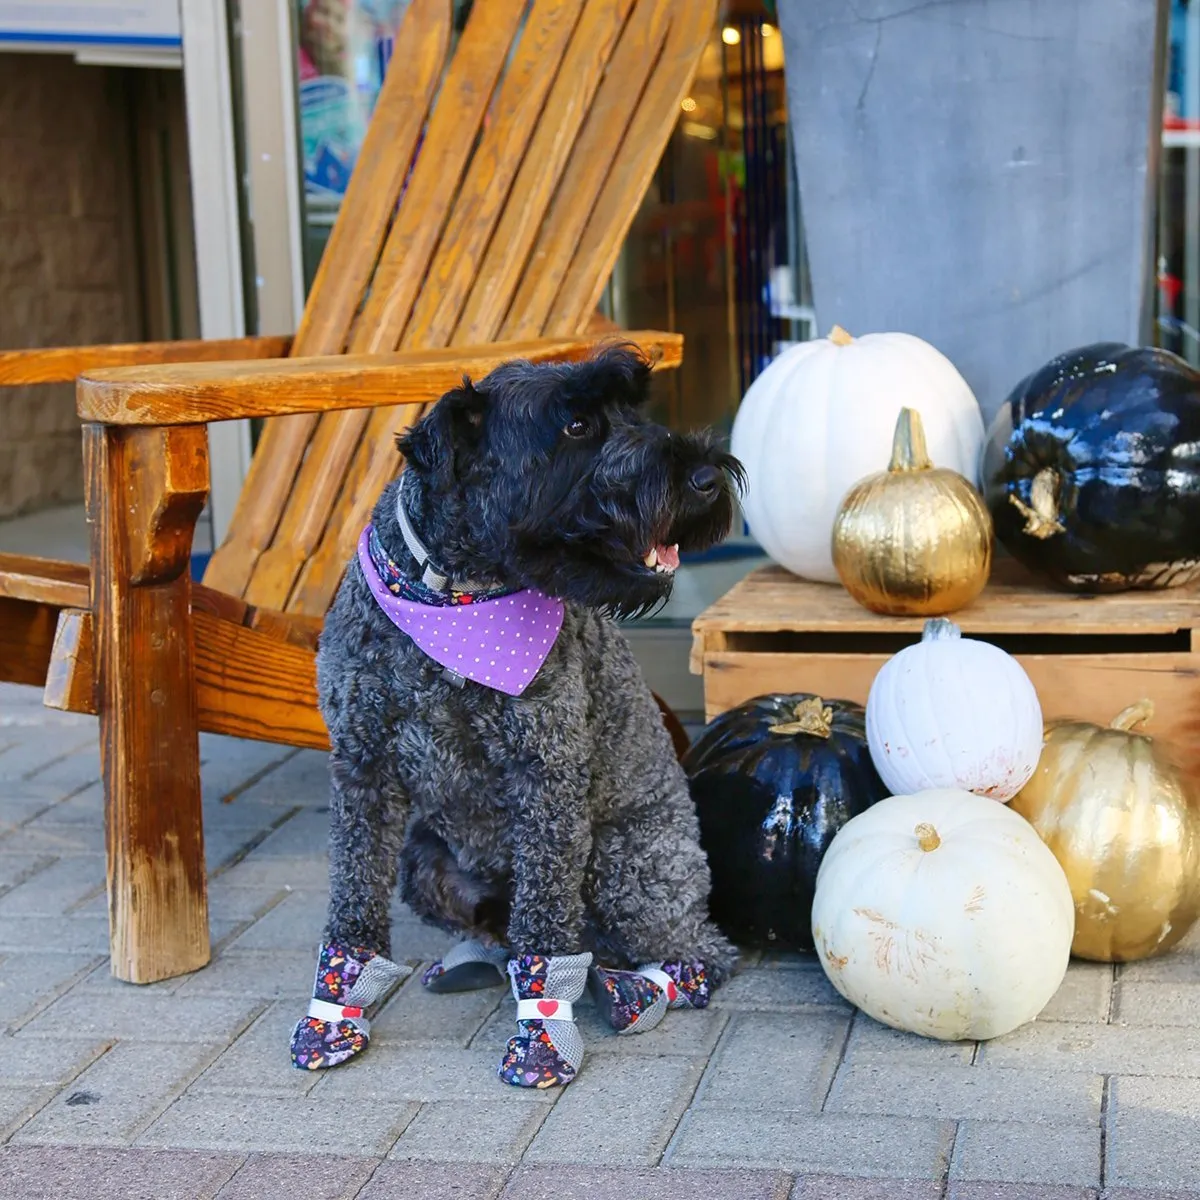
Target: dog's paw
547,1051
629,1001
317,1044
692,983
349,979
468,967
533,1061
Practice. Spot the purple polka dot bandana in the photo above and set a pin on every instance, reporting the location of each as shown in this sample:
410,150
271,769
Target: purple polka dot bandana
500,643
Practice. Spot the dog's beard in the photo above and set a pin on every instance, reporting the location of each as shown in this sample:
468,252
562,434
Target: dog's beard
618,551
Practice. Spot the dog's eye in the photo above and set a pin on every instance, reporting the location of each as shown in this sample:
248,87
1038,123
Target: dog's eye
577,428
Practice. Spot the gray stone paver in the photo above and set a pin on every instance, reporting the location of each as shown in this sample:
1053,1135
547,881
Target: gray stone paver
778,1089
1034,1152
256,1064
628,1119
32,1061
1154,1003
1152,1133
299,1124
777,1055
883,1147
117,1096
956,1092
477,1131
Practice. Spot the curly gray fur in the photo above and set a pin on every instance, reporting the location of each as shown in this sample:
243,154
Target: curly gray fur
559,820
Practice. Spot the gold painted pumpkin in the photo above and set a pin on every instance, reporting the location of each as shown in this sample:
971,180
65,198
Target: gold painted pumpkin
1124,825
914,540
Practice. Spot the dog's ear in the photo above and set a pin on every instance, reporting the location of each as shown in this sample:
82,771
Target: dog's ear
617,373
437,443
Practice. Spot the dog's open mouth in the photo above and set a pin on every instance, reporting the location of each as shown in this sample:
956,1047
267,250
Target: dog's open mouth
662,560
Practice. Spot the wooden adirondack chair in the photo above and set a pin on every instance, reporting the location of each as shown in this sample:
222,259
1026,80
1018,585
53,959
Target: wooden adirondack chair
486,212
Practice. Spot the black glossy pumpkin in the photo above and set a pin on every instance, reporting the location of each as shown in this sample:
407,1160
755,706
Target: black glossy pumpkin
1091,470
773,780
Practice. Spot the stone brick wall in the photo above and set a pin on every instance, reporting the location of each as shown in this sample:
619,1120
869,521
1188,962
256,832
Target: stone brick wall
68,270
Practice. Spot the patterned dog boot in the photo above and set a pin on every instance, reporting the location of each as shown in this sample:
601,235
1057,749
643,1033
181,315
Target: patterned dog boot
349,979
547,1051
635,1001
466,968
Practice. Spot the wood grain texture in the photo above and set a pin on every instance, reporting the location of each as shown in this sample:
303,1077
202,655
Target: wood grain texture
632,169
343,278
384,160
771,600
1082,686
71,676
486,191
63,364
26,640
375,463
198,393
434,304
595,150
145,490
567,107
46,580
445,153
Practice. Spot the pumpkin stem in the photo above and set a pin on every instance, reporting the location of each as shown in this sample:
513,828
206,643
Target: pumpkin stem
927,837
1041,514
909,452
813,716
939,629
1133,716
839,337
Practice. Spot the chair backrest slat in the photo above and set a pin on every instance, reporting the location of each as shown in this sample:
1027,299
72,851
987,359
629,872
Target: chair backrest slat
533,148
446,147
342,278
596,149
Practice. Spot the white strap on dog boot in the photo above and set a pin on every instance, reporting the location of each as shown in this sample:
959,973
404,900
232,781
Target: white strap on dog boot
548,1051
349,980
467,967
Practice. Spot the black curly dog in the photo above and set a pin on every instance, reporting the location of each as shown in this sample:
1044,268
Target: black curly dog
553,828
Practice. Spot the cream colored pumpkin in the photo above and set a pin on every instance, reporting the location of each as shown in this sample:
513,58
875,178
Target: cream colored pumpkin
954,712
943,914
821,417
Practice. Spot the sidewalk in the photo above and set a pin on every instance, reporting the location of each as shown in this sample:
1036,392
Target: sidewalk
184,1089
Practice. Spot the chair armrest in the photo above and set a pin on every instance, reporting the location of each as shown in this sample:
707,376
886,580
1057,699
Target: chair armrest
63,364
198,393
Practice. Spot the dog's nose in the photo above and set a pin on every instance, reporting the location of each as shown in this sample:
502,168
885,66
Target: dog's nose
706,480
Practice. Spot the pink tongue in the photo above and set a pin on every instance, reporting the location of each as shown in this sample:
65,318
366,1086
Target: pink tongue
669,557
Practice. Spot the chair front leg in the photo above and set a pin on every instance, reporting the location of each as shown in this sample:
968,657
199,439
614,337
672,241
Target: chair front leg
146,488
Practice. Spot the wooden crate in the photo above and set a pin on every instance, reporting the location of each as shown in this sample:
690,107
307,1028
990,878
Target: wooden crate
1088,656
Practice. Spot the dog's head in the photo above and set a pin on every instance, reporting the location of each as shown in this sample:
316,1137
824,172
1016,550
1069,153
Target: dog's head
551,476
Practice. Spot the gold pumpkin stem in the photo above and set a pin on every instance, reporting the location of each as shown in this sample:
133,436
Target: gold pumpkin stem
813,716
1133,716
1041,514
909,452
927,837
839,337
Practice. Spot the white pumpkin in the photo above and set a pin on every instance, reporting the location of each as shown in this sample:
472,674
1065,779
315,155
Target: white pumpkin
821,417
943,914
954,712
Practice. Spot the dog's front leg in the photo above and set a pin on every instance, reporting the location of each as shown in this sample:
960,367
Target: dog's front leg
368,812
548,970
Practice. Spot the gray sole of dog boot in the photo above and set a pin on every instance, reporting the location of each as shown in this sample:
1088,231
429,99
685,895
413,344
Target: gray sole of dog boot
466,977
